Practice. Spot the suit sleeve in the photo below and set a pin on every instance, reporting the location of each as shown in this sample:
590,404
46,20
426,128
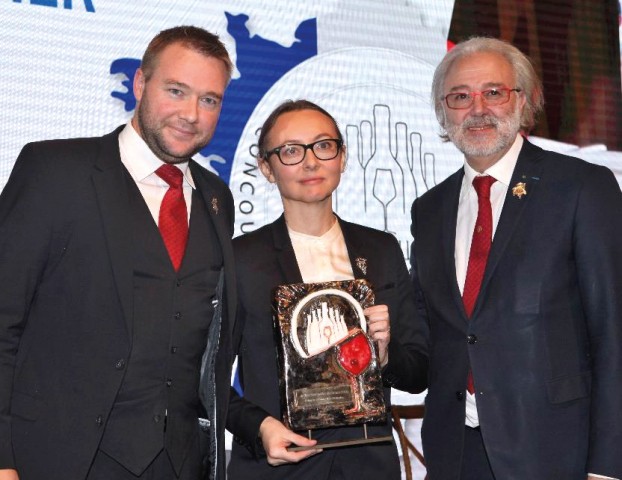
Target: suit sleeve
231,294
243,417
414,277
598,250
243,421
408,362
25,232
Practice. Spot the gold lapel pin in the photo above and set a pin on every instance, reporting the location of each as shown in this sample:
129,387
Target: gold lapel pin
519,190
215,205
361,264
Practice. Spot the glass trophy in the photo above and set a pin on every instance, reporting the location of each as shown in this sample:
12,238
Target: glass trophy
328,366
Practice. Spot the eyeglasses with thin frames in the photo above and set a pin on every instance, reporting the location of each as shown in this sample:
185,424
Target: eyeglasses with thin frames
294,153
491,97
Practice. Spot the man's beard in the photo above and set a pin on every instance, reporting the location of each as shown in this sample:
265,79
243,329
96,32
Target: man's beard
506,130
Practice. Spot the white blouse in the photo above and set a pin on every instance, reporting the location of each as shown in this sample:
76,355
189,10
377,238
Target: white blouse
324,258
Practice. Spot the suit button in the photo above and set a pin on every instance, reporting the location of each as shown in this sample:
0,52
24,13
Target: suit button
177,315
460,396
157,418
471,339
169,382
120,364
99,421
173,349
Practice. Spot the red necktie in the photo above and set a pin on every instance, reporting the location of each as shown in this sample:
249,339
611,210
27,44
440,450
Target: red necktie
480,247
173,218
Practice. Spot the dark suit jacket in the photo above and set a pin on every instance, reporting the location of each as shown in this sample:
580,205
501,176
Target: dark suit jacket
66,304
266,259
545,338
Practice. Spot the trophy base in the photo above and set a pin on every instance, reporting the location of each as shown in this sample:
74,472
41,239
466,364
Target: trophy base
344,443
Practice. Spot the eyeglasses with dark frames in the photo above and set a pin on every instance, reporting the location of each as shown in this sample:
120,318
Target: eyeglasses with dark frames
294,153
491,97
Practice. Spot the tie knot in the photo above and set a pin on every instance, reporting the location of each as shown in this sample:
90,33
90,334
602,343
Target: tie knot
171,175
482,185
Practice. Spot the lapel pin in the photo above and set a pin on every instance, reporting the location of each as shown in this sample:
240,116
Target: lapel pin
519,190
215,205
361,264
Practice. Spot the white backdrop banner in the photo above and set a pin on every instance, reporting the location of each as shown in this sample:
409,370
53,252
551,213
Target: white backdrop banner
67,69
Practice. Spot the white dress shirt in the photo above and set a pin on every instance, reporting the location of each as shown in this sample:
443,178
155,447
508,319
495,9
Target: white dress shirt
324,258
142,163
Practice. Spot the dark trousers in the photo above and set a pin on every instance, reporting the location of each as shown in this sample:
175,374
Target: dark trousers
475,464
106,468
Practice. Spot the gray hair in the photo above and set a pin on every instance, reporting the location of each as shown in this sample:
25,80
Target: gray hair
525,76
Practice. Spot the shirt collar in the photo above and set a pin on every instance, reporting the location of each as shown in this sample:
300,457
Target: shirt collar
140,161
503,169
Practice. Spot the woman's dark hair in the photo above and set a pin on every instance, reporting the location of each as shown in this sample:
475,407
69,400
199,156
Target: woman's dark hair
286,107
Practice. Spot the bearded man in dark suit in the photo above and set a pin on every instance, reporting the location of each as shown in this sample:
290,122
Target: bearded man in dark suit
118,294
517,260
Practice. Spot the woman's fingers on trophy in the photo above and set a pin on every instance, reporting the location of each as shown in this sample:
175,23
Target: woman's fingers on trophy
378,323
379,330
276,438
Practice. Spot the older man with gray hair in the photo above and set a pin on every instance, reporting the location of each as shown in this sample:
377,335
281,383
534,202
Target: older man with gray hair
517,262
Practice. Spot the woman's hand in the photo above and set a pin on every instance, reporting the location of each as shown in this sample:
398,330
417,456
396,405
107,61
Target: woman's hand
379,329
276,437
8,474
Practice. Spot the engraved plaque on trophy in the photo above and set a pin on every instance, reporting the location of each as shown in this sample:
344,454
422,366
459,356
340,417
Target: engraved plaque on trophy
329,373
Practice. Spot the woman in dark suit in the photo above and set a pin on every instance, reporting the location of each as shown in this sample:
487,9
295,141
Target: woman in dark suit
300,149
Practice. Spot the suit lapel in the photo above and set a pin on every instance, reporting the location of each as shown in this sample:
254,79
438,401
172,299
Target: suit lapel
286,258
215,206
527,171
449,216
360,258
109,181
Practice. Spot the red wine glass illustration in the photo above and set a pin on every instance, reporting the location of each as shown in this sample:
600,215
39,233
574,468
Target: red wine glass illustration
354,355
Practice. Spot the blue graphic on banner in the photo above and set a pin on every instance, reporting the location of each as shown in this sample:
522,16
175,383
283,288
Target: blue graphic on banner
126,67
243,94
67,4
256,77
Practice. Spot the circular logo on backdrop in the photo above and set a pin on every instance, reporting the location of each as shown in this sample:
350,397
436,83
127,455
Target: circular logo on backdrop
380,99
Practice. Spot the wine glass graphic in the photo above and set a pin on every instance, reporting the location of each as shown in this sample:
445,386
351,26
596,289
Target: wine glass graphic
384,191
354,355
